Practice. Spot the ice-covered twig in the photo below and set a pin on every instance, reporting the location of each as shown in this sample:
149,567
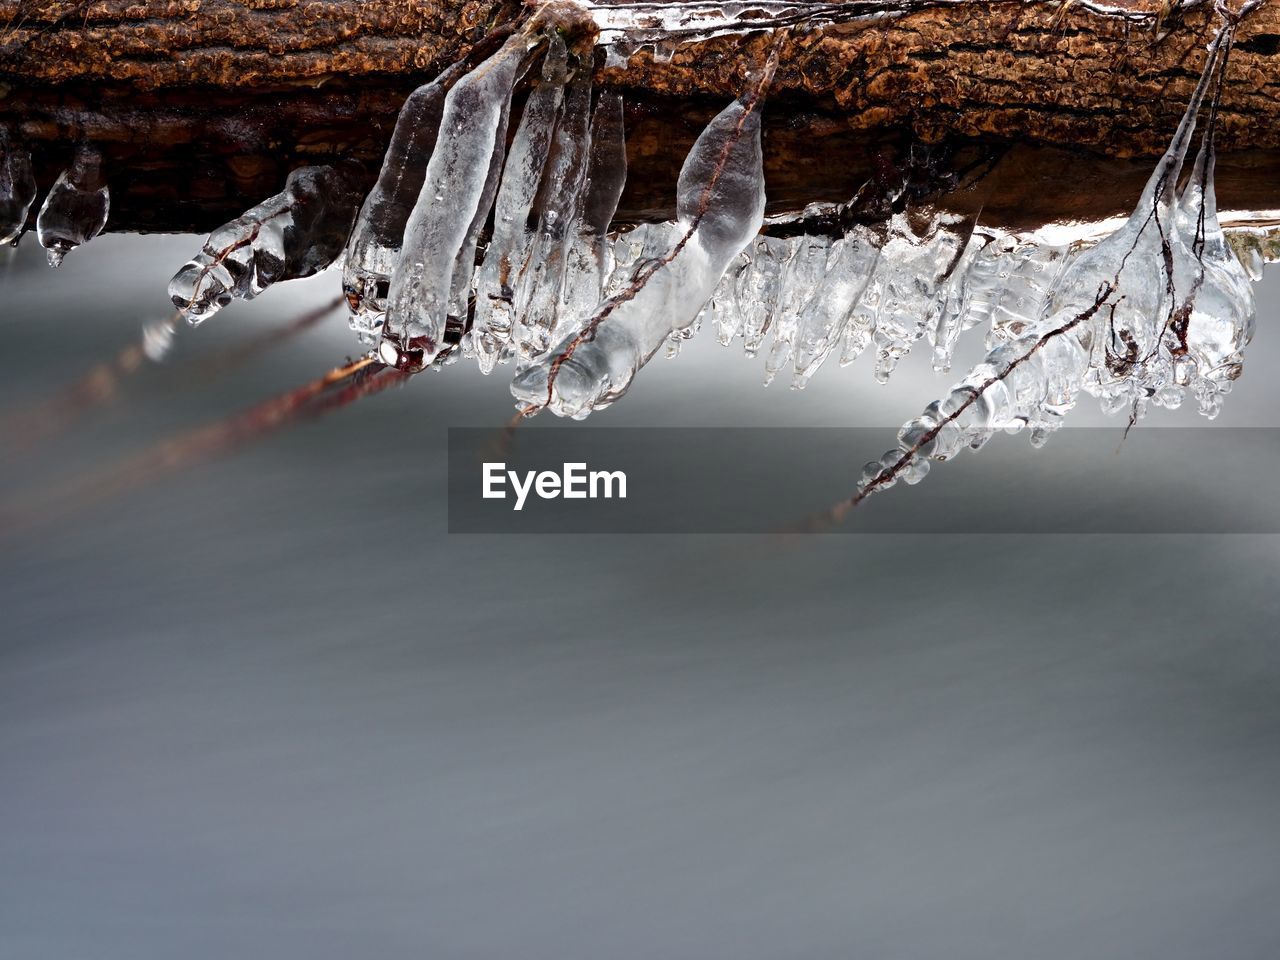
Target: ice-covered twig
335,389
920,439
720,207
103,384
1116,292
76,208
1215,310
295,233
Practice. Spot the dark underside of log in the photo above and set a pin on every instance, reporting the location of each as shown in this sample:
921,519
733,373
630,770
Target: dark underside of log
202,106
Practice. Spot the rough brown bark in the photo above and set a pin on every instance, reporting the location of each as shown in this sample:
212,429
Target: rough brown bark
203,105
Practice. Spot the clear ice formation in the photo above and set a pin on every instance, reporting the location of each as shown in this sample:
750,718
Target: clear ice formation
374,245
505,259
590,257
720,208
1160,309
448,214
1160,306
1215,309
17,188
296,233
541,285
76,208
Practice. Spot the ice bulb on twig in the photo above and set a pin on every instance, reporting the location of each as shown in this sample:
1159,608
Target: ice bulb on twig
75,211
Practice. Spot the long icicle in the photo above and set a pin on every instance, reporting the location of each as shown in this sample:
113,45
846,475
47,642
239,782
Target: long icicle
509,245
442,221
720,202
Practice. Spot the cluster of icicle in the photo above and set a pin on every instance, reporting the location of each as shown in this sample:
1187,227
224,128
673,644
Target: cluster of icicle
488,235
74,210
1158,309
465,247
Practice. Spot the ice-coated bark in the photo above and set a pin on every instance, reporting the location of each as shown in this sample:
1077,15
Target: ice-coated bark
590,253
442,221
720,208
374,245
76,208
853,260
509,246
298,232
559,207
17,187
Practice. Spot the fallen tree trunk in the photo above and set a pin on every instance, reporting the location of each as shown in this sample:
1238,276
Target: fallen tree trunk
202,106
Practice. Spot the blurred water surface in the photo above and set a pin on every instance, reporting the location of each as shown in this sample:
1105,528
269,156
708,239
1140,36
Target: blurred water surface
266,707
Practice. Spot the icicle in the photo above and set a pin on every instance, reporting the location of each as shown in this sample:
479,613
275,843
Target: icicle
509,245
590,253
909,285
720,208
17,188
374,245
821,327
75,211
542,284
298,232
464,265
756,292
722,308
443,219
804,270
963,305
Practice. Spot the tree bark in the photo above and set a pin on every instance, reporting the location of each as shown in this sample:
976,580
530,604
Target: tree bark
203,105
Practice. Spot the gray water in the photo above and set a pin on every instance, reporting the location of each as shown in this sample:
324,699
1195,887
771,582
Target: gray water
267,707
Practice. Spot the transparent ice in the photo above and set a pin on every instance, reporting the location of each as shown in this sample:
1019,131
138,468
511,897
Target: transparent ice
803,271
821,326
720,207
76,208
1159,305
508,249
374,245
444,220
541,286
298,232
590,255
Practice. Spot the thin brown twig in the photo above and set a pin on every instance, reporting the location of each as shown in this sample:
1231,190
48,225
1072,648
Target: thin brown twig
335,389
